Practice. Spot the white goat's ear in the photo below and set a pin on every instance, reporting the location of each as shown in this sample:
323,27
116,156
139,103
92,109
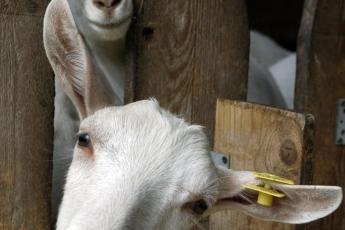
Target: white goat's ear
71,61
301,204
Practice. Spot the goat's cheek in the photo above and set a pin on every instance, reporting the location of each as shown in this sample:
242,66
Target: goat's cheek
89,152
85,152
187,221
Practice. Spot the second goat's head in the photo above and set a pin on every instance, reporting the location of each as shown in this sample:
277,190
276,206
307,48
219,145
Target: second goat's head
106,20
140,167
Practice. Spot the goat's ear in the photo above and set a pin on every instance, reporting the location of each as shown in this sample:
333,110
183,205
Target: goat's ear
71,61
301,204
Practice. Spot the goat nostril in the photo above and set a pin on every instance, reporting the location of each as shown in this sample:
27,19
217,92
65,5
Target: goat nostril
115,3
106,4
99,4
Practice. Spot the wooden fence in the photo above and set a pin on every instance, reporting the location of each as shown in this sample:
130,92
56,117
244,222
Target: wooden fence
320,84
187,54
26,117
264,139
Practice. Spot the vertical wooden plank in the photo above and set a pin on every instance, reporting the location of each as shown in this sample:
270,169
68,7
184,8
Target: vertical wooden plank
26,118
320,83
190,53
258,138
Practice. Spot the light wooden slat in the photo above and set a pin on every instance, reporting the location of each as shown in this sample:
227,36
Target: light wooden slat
258,138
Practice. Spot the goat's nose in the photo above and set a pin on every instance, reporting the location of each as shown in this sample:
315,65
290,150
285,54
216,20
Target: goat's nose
106,4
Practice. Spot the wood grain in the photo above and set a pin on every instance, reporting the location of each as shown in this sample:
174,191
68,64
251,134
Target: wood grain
190,53
320,83
262,139
23,7
26,124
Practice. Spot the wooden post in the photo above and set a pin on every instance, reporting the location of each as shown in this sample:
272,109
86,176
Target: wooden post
26,117
258,138
191,52
320,83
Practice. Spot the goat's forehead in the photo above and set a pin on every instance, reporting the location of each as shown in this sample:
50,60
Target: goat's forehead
145,128
142,116
151,141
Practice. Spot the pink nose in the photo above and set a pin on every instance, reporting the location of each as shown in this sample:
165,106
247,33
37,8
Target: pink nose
106,4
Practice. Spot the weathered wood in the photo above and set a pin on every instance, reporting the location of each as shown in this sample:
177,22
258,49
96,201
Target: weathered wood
23,7
320,83
258,138
190,53
26,121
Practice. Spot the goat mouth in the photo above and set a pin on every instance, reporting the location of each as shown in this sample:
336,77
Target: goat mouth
244,198
111,25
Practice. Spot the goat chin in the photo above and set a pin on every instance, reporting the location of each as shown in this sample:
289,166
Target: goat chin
112,32
105,24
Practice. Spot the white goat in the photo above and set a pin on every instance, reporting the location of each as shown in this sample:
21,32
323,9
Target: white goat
103,25
139,167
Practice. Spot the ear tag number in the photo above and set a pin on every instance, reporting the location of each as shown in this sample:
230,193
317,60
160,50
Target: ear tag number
266,193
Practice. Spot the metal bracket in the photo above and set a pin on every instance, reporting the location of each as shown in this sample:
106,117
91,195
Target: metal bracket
221,159
340,133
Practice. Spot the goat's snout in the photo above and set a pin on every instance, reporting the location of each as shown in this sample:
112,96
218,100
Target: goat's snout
106,5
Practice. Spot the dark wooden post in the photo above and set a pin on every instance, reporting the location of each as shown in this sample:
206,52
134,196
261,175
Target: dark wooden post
26,117
320,83
190,53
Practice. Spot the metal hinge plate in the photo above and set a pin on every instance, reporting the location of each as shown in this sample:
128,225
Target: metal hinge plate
340,133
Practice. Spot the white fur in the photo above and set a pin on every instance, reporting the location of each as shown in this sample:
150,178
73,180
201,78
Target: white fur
147,165
90,19
108,49
107,45
120,17
145,168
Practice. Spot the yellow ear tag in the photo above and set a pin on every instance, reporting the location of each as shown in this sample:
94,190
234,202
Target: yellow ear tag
266,193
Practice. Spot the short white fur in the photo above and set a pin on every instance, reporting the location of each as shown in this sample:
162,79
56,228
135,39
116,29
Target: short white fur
146,168
106,46
148,164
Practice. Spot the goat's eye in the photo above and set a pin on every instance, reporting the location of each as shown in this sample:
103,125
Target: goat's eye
197,207
84,140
